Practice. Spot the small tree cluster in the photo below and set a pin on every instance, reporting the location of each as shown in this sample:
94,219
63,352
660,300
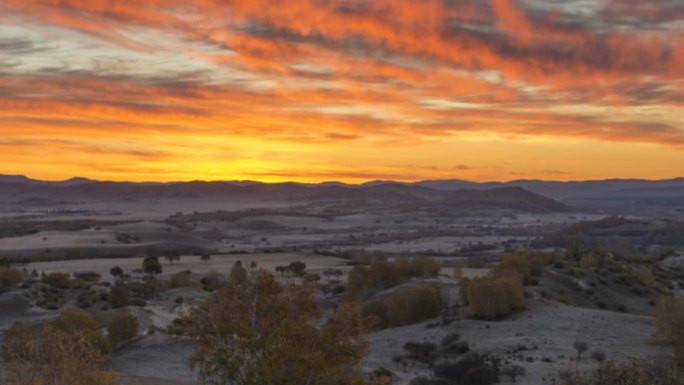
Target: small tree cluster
406,306
524,265
380,274
257,331
495,297
297,268
52,356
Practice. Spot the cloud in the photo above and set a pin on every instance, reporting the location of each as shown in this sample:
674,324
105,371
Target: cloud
306,73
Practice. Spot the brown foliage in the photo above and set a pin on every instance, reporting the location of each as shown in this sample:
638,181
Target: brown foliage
495,297
259,332
53,358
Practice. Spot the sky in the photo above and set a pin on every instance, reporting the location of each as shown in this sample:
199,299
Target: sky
347,90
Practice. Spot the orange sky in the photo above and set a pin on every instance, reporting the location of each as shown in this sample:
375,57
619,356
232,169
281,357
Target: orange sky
349,90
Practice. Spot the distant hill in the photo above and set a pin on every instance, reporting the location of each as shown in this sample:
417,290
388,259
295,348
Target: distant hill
505,198
521,195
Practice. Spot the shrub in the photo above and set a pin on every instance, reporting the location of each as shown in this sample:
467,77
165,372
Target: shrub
414,304
495,297
118,296
450,342
377,310
523,265
75,321
122,328
10,277
471,369
181,279
599,357
635,372
483,375
57,280
514,371
88,276
420,351
669,315
52,356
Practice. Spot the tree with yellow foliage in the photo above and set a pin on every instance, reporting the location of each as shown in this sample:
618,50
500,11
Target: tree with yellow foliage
52,357
495,297
259,332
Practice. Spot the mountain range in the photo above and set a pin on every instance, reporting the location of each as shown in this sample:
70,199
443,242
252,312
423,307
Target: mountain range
524,195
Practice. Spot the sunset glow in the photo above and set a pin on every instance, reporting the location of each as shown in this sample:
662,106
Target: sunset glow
348,90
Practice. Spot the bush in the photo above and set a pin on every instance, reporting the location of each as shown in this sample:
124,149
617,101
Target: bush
523,265
635,372
57,280
10,277
495,297
88,276
420,351
483,375
118,296
450,342
75,321
471,369
122,328
669,316
414,304
377,310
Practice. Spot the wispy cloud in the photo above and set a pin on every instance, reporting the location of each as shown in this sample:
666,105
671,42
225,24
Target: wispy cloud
304,77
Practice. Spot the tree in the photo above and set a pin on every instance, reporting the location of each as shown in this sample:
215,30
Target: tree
298,268
331,273
580,347
151,265
495,297
260,332
76,322
205,257
425,267
116,272
55,357
9,277
171,256
238,273
598,356
669,316
414,304
122,328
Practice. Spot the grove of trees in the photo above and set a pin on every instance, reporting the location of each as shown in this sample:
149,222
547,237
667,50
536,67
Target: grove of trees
257,331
